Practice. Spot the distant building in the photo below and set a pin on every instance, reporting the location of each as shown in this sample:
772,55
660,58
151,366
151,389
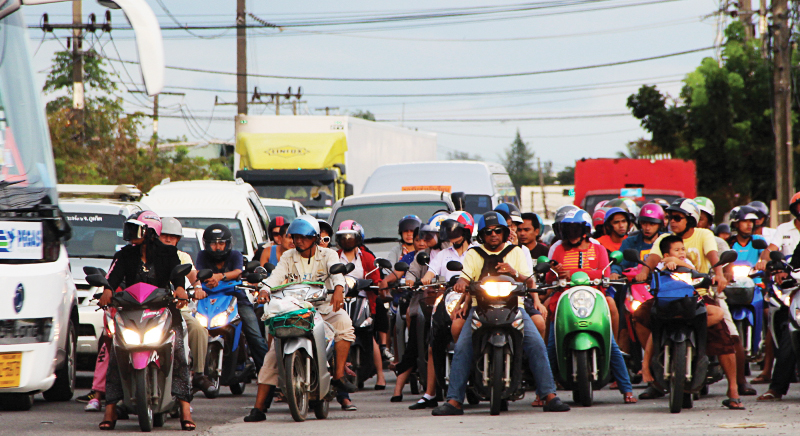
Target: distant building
554,197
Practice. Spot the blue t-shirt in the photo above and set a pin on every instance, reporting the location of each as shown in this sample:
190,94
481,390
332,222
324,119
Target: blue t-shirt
408,258
747,254
637,243
234,261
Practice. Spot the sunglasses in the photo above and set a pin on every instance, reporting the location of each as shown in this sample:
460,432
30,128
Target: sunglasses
496,231
677,218
308,238
326,239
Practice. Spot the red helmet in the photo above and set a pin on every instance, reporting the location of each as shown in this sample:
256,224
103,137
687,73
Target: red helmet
793,203
457,220
651,213
599,217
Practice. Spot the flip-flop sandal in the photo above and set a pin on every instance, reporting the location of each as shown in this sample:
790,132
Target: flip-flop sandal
731,403
628,398
188,425
538,403
760,380
768,396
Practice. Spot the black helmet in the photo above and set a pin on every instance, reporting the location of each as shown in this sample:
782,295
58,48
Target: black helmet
722,228
216,233
561,213
761,209
408,222
747,213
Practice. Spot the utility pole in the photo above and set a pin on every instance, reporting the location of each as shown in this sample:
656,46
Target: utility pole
762,28
541,184
746,17
241,57
155,121
327,109
78,102
782,90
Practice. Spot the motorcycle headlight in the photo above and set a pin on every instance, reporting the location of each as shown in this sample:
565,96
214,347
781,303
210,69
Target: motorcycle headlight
582,303
112,326
498,289
131,337
219,320
201,319
784,296
351,282
740,271
153,335
683,277
451,302
635,305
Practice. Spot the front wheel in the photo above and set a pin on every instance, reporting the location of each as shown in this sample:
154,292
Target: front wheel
498,372
64,386
214,368
143,409
677,377
296,385
321,409
584,384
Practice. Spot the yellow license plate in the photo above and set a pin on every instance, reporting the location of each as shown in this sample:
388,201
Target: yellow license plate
10,364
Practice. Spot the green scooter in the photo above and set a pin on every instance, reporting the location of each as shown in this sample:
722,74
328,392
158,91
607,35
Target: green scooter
583,334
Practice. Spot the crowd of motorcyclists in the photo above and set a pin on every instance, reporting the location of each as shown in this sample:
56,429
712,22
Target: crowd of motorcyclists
444,287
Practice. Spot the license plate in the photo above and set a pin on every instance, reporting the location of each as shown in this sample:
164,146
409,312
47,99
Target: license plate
10,364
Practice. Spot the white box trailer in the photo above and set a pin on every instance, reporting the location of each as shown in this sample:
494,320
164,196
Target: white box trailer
319,159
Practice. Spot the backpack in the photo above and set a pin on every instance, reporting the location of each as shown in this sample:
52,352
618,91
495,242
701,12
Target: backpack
490,261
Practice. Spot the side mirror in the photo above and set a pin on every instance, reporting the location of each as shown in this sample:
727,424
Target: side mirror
383,263
760,244
776,256
727,257
423,258
350,268
260,270
269,267
204,274
631,255
339,268
459,200
97,280
253,277
401,266
454,265
542,267
90,270
181,271
615,257
251,266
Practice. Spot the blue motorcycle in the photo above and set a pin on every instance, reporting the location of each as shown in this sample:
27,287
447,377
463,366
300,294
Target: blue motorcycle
228,361
746,303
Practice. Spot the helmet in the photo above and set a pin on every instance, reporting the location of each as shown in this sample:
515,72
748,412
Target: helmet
560,214
793,203
216,233
325,227
171,226
688,207
455,221
304,225
651,213
578,223
762,210
746,213
600,204
613,211
490,219
625,204
350,227
722,228
706,205
599,217
661,202
433,224
137,225
733,216
276,223
511,210
408,222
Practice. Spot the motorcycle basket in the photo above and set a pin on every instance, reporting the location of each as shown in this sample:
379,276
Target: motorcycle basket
739,295
292,324
675,299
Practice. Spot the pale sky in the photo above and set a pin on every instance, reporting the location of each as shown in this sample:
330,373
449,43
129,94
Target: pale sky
524,41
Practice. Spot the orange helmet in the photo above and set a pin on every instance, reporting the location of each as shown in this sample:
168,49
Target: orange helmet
793,203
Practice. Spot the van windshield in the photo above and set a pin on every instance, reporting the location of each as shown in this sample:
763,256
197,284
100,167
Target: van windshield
95,235
27,169
310,195
380,220
233,224
478,204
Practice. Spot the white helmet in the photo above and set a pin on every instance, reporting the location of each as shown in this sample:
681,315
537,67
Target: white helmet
171,226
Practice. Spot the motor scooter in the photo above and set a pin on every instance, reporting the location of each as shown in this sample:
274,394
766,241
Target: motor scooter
144,346
636,294
357,306
783,299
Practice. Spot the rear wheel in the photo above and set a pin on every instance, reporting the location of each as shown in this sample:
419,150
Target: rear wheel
677,377
214,368
584,384
321,409
296,385
497,369
143,409
64,387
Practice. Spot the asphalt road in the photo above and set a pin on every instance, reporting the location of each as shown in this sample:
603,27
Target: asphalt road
223,416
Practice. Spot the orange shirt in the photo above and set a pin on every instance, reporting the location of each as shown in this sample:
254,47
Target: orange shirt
606,241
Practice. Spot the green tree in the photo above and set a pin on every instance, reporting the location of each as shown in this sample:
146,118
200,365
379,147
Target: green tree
566,176
722,121
367,115
518,161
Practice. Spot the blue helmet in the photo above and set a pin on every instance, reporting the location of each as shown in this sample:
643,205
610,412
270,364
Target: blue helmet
435,223
579,216
304,225
490,219
511,210
576,223
613,211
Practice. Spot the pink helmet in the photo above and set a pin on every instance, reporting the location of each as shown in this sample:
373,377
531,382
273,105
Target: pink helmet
651,213
137,224
598,217
350,227
152,220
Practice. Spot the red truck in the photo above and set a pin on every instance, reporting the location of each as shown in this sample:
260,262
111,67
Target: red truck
641,179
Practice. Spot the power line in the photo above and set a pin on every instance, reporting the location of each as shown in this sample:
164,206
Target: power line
505,120
428,79
510,136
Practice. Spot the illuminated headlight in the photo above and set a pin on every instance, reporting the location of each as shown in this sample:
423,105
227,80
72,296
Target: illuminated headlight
784,296
498,289
154,335
221,319
451,302
740,271
582,303
201,319
112,326
683,277
131,337
351,282
635,305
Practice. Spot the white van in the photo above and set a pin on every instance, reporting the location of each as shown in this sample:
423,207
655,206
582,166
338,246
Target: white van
201,203
485,184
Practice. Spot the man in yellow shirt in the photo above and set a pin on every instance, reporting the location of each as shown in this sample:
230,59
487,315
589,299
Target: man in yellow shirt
496,257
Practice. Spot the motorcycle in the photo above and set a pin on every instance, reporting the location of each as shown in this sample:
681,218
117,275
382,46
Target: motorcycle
303,348
361,350
679,330
144,346
746,304
498,326
228,361
637,293
783,300
583,334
